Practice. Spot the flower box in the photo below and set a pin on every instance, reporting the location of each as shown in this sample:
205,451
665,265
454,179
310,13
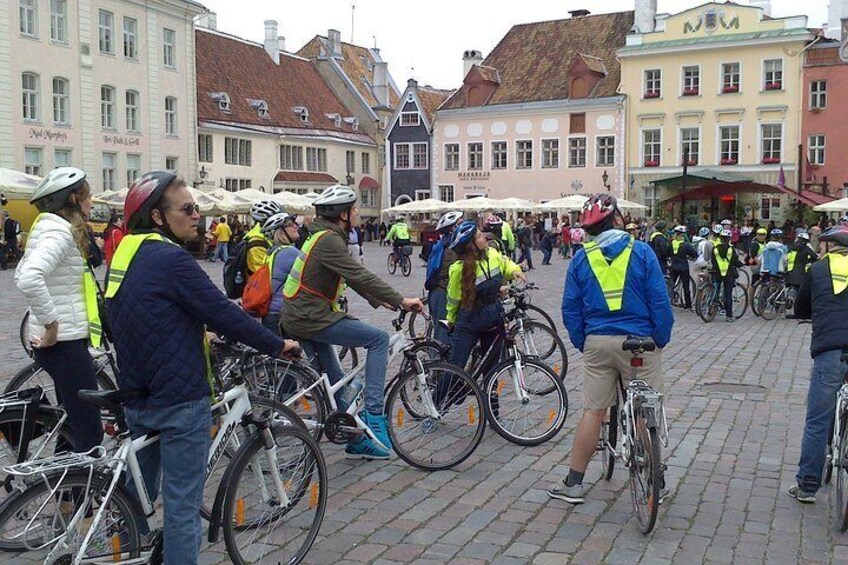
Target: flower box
651,94
690,92
728,161
774,85
691,162
815,110
652,163
730,89
771,160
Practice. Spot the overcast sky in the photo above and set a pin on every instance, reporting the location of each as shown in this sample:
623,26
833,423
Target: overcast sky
425,39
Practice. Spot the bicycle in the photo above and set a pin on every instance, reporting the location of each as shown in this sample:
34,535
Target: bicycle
772,297
676,292
399,256
639,418
837,458
709,298
78,506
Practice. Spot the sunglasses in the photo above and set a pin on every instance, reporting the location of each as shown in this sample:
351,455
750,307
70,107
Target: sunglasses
189,209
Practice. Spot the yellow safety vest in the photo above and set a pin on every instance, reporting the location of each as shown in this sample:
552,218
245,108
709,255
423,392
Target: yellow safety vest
723,262
675,245
790,260
838,271
654,235
611,276
294,282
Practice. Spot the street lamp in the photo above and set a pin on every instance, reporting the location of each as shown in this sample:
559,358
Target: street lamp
605,178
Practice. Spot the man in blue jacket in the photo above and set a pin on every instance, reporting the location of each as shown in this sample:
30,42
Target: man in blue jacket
614,288
160,303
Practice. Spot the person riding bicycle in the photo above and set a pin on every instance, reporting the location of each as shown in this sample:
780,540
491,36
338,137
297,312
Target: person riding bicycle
282,230
438,271
257,243
61,295
398,236
160,303
773,255
493,227
822,299
725,270
681,253
310,312
799,259
475,283
659,243
614,288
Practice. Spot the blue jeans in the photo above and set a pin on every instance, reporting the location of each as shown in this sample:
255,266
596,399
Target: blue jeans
181,452
526,253
221,252
355,333
825,379
546,256
437,300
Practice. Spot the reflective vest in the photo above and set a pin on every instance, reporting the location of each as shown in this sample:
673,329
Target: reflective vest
790,262
611,276
654,235
675,245
294,283
838,271
723,263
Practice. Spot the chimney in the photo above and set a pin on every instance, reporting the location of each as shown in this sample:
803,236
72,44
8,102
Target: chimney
836,11
381,83
209,20
646,14
764,4
411,83
271,40
281,43
334,42
469,59
578,13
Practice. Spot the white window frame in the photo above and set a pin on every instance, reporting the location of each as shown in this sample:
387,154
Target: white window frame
28,18
31,98
817,153
108,174
172,163
107,107
458,156
426,146
312,159
32,167
169,48
366,163
782,76
295,157
422,194
224,103
132,112
59,21
61,102
585,139
442,188
642,155
350,161
63,151
519,165
411,123
693,84
205,148
645,83
680,143
132,172
818,98
719,152
322,159
130,38
493,161
721,75
479,145
760,152
598,150
408,147
369,198
238,151
557,150
171,122
106,32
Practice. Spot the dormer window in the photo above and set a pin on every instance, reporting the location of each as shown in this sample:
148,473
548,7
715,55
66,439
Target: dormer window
410,119
223,101
354,123
260,106
302,112
336,117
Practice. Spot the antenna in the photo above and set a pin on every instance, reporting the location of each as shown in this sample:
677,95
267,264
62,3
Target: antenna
352,20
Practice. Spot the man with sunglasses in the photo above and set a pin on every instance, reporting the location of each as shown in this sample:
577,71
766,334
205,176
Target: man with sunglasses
160,304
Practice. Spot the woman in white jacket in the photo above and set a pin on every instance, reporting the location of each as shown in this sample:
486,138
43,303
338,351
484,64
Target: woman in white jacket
51,278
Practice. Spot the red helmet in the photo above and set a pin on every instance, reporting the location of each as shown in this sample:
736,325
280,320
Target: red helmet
144,194
837,234
494,221
599,210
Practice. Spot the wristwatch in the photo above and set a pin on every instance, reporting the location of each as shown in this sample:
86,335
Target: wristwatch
52,325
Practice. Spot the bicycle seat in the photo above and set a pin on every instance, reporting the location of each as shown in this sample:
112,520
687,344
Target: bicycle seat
110,400
635,343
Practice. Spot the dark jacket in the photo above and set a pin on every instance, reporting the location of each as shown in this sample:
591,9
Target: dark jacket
157,320
829,312
547,242
803,256
11,229
660,246
680,260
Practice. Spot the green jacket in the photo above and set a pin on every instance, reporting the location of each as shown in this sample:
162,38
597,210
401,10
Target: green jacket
399,231
329,263
508,236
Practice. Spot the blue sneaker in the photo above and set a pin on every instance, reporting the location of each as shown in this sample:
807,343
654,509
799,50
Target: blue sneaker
364,449
378,425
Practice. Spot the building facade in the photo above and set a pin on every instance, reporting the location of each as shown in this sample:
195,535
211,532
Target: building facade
104,85
268,121
528,122
408,141
720,84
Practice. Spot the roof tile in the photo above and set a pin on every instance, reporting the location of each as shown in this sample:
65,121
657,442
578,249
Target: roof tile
302,176
824,56
431,98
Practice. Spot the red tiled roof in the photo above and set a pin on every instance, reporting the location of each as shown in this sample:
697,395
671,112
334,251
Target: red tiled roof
533,59
302,176
822,56
245,72
368,183
431,98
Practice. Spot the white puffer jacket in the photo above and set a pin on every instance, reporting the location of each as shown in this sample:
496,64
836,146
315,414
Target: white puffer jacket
50,276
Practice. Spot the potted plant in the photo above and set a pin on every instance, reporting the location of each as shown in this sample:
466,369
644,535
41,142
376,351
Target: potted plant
728,161
771,160
652,163
729,89
773,85
691,162
690,92
652,94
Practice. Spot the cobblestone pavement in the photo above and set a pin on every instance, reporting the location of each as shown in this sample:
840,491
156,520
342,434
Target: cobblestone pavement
730,457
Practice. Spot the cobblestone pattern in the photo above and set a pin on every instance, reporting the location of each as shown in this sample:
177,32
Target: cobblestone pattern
730,459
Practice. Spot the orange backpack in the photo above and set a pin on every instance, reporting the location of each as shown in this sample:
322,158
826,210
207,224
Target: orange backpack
257,292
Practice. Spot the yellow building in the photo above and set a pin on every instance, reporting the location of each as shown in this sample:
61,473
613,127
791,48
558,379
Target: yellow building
720,83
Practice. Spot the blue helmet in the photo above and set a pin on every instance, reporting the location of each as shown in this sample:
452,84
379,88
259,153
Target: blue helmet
463,234
704,232
777,232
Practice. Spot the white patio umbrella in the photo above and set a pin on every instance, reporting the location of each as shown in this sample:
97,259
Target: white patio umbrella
628,205
573,202
419,207
17,184
208,203
835,206
114,198
480,204
293,203
513,204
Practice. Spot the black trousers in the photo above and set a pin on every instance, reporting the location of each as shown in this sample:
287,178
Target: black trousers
11,246
687,286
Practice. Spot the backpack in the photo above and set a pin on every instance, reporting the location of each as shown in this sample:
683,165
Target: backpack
256,298
236,267
434,265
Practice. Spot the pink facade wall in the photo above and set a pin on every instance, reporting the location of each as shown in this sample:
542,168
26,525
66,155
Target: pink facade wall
830,121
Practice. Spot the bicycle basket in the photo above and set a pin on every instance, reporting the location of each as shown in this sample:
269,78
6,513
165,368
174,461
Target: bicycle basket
406,250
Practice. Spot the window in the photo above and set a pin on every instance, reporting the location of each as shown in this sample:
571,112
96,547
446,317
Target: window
291,157
171,164
730,77
369,198
446,192
234,185
773,74
550,153
32,161
771,135
691,80
224,102
61,105
311,158
606,151
322,160
422,194
130,38
366,164
29,96
133,168
350,161
170,115
524,154
816,149
26,11
204,148
452,156
61,157
108,170
576,123
59,21
690,141
410,119
169,44
132,108
651,147
107,107
767,206
262,109
653,83
237,151
499,160
401,156
577,152
420,155
106,30
818,94
729,142
475,156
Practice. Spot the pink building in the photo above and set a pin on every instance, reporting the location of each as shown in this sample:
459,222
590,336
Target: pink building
540,117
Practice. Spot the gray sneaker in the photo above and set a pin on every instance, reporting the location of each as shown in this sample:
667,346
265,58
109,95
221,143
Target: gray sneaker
801,495
572,494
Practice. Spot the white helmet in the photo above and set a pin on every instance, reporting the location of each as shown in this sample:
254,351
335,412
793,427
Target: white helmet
680,229
726,233
726,222
53,190
264,209
717,229
334,200
803,235
276,222
448,220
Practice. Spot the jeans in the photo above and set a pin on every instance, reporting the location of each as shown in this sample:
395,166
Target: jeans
825,379
527,254
70,366
221,251
323,359
181,453
438,302
546,256
355,333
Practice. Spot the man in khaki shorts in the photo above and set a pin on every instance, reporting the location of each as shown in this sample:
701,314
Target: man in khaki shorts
614,288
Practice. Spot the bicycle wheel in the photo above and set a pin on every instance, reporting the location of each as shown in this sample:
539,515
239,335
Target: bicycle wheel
35,518
391,263
518,408
609,436
768,305
840,468
432,442
23,333
645,469
828,462
538,315
34,375
258,527
754,295
311,407
542,342
405,265
740,300
418,325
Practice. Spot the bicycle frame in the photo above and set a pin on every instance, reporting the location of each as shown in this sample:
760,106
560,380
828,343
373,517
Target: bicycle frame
841,406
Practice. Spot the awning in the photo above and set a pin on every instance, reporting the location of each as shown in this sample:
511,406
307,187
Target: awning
367,183
701,177
303,176
808,197
719,189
